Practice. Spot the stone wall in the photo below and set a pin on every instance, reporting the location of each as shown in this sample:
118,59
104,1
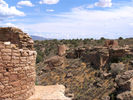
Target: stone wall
17,65
16,36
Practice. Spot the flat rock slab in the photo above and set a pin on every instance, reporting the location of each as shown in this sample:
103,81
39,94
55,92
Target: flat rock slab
52,92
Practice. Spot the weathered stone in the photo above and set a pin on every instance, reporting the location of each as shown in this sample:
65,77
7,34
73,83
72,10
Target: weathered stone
111,43
16,83
125,85
16,74
128,85
117,52
1,75
13,46
6,54
24,53
55,61
62,50
16,54
124,77
6,50
106,98
55,92
13,77
79,52
2,46
117,68
23,59
125,81
128,95
15,61
98,58
16,36
1,86
6,74
106,75
6,58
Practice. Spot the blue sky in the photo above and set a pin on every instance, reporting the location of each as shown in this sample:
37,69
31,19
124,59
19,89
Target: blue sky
69,18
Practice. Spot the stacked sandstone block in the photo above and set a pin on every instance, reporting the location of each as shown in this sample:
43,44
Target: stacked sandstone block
17,37
17,70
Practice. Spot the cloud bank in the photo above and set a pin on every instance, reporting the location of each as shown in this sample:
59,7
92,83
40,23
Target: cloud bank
84,23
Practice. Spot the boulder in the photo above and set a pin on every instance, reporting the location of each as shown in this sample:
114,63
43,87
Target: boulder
55,61
125,81
128,95
116,68
125,85
62,50
120,79
111,43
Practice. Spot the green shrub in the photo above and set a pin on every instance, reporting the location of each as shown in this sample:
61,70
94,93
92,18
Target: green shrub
39,59
120,38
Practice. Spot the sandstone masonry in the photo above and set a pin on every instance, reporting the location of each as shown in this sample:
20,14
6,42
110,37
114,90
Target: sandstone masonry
17,64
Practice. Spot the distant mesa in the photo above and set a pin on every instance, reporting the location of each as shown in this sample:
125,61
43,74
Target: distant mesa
39,38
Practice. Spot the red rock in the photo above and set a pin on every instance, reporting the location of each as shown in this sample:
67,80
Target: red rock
6,58
13,77
1,75
15,84
6,51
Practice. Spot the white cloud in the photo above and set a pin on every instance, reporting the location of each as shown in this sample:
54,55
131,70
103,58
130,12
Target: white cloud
25,3
9,25
83,23
49,1
104,3
49,10
6,11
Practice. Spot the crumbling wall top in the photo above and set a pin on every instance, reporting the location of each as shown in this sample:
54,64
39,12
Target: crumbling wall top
16,36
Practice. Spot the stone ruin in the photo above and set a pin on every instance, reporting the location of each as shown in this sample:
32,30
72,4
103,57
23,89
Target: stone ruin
99,56
125,85
17,64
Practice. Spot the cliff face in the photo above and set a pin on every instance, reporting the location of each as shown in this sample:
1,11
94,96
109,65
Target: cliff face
17,64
